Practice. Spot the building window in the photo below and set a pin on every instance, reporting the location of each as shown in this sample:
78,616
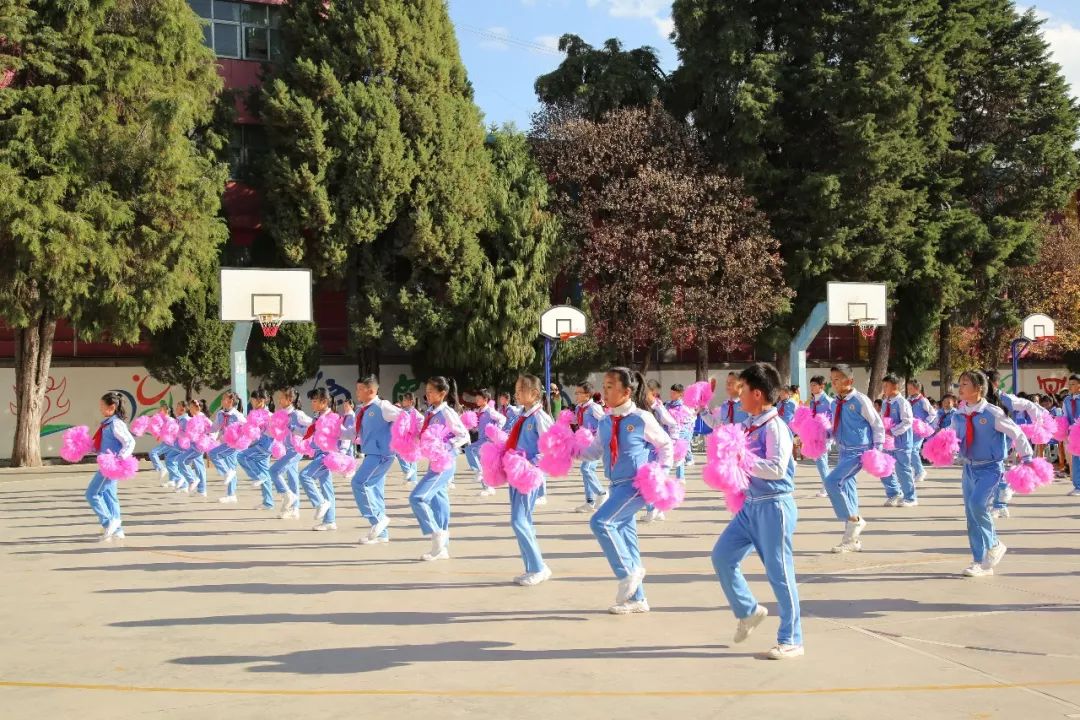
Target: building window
247,146
240,30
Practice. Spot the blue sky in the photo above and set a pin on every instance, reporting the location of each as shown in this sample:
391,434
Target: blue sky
506,44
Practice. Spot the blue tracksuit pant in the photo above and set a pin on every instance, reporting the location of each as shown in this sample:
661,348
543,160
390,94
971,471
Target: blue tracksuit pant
521,510
615,526
101,494
841,485
430,501
256,463
369,485
589,479
902,481
980,481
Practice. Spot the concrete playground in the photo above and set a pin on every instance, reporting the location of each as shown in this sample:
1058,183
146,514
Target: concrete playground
221,611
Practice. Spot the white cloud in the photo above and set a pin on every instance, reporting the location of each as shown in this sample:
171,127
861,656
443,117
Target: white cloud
551,42
1064,42
656,11
495,38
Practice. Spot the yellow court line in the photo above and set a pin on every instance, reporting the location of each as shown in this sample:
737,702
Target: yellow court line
543,693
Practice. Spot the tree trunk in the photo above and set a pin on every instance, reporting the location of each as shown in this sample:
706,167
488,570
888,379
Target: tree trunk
783,366
880,364
33,356
701,372
646,362
367,361
945,354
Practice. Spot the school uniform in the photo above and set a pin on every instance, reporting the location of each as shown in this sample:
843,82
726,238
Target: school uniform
374,421
408,468
318,483
729,412
984,431
347,442
192,466
255,460
856,428
785,410
488,415
223,457
921,409
671,427
177,476
1021,412
430,499
511,414
589,415
624,439
944,419
112,436
1071,406
901,484
766,524
524,437
285,471
157,457
822,404
686,432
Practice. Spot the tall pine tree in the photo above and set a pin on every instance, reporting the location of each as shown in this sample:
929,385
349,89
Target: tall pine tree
377,171
108,215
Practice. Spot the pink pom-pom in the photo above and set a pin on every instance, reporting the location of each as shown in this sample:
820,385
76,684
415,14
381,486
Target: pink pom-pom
259,418
921,428
583,438
942,448
566,417
727,464
170,430
327,432
235,437
140,425
469,420
878,463
157,422
184,442
813,430
405,436
433,447
277,449
338,462
1061,428
1073,444
698,395
1028,477
657,489
725,477
115,467
198,425
205,443
1041,430
679,450
76,443
556,445
303,446
521,474
890,439
727,444
682,414
278,425
491,457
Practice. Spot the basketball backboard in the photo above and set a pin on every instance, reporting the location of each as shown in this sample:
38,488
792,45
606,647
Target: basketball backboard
559,321
1038,327
247,293
852,303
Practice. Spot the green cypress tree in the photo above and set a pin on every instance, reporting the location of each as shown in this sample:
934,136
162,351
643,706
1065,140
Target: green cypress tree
377,172
288,359
193,351
108,215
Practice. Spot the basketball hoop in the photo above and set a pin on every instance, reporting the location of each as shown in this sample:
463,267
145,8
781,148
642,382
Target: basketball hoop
270,324
563,337
866,327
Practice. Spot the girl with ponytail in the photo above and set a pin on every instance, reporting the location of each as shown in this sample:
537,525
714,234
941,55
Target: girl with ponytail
112,436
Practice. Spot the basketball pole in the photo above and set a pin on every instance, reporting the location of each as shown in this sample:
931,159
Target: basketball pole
1017,347
548,347
801,342
238,358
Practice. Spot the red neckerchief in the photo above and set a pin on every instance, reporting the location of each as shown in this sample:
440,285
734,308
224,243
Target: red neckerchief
311,428
613,446
836,413
754,428
97,436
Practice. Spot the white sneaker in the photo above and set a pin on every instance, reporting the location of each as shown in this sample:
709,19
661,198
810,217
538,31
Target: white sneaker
629,585
909,503
366,540
378,528
535,578
821,493
292,513
111,529
487,492
181,489
438,544
201,494
451,485
922,476
443,554
748,623
320,512
977,570
1000,513
892,502
542,500
856,528
993,556
785,652
650,515
631,607
586,508
323,527
227,500
119,534
850,542
263,508
1073,493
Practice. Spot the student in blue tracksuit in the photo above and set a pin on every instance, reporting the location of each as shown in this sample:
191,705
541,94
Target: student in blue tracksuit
524,437
945,414
255,459
374,421
1022,412
624,440
786,405
191,462
857,427
588,415
224,458
408,469
430,499
821,403
285,472
158,454
316,478
671,427
486,414
685,431
921,409
766,522
730,411
112,436
900,486
984,430
1071,406
177,476
347,410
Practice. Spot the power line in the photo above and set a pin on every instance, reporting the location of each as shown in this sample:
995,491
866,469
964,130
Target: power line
511,40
